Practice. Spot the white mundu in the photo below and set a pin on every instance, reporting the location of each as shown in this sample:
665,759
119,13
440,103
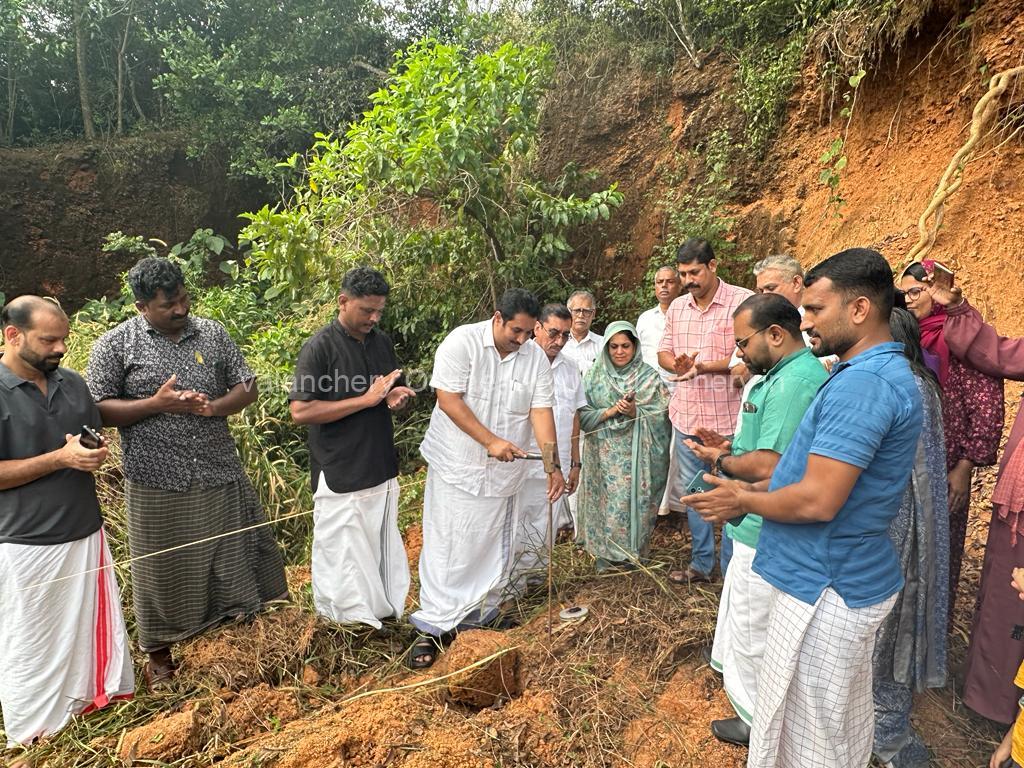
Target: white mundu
743,615
469,500
530,551
359,567
64,649
650,327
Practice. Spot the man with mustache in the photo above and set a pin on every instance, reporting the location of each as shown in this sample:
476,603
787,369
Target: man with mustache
168,381
824,545
63,644
493,390
697,346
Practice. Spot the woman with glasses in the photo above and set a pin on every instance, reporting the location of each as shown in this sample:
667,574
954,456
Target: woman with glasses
625,451
972,413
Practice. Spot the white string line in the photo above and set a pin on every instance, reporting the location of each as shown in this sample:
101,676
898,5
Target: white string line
122,563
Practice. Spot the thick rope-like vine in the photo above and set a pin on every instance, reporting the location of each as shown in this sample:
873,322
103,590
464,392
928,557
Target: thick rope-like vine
984,111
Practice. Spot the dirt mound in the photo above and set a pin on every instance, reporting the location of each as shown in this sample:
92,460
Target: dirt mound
229,717
678,733
270,647
476,682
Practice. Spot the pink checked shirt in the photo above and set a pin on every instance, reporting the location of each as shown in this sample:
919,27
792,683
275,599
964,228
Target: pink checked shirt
708,400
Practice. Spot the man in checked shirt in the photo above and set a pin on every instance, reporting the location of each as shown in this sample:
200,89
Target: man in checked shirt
697,344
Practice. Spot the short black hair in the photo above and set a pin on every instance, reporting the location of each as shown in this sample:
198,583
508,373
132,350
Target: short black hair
364,281
554,309
695,249
859,272
21,311
767,309
152,275
517,301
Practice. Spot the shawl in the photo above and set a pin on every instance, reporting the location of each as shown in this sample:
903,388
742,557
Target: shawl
934,340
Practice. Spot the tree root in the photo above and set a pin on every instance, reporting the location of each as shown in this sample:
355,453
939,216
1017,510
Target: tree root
951,180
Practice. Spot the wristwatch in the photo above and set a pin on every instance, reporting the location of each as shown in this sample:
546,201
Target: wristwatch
719,469
575,464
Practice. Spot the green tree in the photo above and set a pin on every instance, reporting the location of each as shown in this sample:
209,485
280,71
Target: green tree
436,183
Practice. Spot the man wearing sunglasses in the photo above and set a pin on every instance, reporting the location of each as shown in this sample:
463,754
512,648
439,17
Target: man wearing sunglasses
551,333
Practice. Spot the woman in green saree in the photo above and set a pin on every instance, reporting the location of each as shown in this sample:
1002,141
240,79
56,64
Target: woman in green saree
625,451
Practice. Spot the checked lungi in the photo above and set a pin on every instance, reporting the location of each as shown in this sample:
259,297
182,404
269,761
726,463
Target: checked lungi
63,645
180,593
814,696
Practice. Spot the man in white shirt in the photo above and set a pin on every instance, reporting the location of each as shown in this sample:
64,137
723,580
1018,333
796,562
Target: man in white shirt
583,344
550,334
650,327
492,388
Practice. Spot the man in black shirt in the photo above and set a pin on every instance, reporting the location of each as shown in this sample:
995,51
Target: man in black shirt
63,645
347,382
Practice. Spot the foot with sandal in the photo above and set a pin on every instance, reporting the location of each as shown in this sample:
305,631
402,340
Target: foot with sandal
159,669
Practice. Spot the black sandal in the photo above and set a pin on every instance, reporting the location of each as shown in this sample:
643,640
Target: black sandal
430,646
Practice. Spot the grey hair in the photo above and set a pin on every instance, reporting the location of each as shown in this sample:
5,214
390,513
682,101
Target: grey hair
582,294
787,265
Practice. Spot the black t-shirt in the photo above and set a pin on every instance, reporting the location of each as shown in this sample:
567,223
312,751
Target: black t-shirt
358,451
59,507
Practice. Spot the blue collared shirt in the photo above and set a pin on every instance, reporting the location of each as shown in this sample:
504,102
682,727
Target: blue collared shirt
868,414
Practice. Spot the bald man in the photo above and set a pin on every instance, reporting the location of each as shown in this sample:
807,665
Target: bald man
63,645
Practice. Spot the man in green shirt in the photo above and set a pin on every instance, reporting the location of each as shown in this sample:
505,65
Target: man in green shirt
769,342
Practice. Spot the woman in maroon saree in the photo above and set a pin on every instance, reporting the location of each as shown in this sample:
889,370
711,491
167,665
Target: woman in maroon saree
972,413
997,636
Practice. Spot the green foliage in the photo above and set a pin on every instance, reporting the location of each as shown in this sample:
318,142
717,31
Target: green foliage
253,83
764,82
436,186
834,161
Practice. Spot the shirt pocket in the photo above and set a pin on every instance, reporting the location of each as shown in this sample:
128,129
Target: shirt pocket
723,341
519,399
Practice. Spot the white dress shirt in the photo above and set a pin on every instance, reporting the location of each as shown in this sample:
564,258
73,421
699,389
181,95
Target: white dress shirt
500,392
650,326
569,398
583,353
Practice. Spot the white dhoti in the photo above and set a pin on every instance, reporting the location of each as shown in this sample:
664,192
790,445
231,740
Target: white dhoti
360,570
465,563
814,696
673,490
743,614
63,645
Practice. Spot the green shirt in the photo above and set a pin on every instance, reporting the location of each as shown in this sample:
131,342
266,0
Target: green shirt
769,417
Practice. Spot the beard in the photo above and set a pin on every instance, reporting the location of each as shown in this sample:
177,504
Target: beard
40,363
836,344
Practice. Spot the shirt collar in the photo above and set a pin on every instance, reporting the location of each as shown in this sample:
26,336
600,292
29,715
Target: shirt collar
885,348
191,327
11,380
689,301
341,329
786,361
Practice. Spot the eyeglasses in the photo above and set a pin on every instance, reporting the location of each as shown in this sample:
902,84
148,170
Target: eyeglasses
583,311
554,333
741,344
914,293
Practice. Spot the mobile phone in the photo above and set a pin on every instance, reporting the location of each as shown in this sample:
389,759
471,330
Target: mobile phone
90,438
698,484
943,274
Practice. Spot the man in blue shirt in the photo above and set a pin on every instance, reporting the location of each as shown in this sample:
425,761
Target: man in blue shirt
824,545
